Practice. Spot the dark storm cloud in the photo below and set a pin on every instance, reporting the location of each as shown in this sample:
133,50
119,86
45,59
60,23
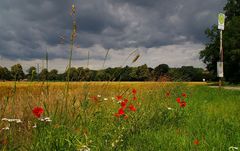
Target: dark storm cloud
29,27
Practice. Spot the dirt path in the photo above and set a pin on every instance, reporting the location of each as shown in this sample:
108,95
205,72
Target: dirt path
227,87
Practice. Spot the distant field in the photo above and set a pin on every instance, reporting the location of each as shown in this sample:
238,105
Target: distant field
118,116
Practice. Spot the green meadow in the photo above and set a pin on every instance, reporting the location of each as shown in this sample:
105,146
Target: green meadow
86,116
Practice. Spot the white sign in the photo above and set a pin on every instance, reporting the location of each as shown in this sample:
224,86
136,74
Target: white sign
221,20
220,69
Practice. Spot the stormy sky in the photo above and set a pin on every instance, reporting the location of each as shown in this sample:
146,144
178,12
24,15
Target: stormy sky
163,31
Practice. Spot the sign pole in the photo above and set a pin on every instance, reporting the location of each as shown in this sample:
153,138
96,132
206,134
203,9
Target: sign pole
221,20
221,56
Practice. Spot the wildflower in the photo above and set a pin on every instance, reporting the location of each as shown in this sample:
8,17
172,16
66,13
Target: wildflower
168,94
126,117
182,104
18,121
12,120
184,95
125,100
38,111
196,141
99,96
169,108
134,91
134,98
123,104
105,99
42,120
34,126
5,128
46,119
132,108
178,100
119,97
94,98
121,111
4,119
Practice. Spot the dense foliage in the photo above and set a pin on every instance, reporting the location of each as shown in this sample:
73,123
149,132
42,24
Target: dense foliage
231,44
141,73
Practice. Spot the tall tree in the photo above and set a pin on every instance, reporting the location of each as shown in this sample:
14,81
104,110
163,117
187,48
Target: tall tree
53,75
17,72
161,70
43,74
5,74
73,74
32,74
231,44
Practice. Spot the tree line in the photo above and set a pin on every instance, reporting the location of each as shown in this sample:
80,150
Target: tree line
141,73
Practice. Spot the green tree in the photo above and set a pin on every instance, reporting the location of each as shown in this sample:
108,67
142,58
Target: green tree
32,74
5,74
81,73
143,73
232,9
231,44
73,74
53,75
133,74
17,72
161,70
43,75
125,73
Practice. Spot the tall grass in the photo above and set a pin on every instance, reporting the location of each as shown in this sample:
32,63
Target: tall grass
210,116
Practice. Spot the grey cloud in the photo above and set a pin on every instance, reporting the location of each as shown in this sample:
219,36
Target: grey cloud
28,27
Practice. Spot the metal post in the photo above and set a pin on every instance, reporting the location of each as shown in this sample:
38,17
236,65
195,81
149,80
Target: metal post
221,58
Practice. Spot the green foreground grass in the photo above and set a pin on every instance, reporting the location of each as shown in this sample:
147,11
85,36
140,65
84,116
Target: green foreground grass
211,117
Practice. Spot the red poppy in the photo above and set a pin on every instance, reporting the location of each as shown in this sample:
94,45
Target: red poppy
119,97
178,100
121,111
134,91
38,111
182,104
134,98
132,108
184,95
123,104
94,98
168,94
196,141
125,100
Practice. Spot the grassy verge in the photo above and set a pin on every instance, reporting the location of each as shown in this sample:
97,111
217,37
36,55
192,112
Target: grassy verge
152,118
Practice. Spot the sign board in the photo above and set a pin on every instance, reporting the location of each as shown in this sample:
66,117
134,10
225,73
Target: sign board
220,69
221,20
